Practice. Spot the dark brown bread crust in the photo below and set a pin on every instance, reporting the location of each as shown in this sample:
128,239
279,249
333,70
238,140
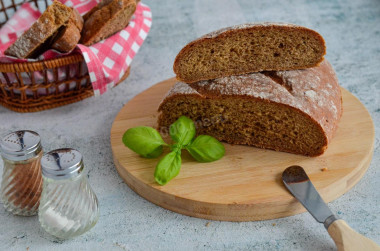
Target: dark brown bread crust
249,48
105,19
41,34
312,95
72,34
100,5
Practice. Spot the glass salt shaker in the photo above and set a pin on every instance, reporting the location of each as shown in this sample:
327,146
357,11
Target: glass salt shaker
68,206
22,181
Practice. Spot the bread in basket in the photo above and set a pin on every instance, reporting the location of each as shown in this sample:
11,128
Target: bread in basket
45,84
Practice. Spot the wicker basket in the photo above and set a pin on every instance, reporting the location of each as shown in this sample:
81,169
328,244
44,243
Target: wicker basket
37,86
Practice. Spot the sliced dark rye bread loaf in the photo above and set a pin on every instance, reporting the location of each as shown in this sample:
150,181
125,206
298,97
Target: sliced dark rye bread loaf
72,34
105,19
249,48
291,111
40,36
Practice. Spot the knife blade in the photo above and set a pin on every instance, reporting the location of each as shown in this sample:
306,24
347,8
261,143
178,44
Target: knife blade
299,184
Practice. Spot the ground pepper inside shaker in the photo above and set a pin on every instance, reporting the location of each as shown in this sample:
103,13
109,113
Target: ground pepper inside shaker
21,185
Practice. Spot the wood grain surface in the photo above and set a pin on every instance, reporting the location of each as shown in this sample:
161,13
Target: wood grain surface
246,184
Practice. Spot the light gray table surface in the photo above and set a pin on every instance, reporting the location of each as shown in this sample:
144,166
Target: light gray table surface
127,221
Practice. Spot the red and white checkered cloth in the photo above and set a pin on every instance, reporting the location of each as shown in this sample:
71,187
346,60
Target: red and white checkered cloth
107,60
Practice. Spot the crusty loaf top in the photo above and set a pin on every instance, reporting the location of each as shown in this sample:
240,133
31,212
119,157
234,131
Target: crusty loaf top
314,91
249,25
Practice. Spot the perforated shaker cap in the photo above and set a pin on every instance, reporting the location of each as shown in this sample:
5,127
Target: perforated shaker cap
62,164
20,145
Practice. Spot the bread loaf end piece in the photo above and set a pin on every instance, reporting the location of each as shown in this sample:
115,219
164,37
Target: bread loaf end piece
107,18
71,35
41,34
100,5
249,48
290,111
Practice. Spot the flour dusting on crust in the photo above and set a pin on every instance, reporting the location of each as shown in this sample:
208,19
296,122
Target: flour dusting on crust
182,88
314,91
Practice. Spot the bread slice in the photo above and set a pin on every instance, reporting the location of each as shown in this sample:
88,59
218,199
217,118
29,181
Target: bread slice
71,35
291,111
39,37
249,48
105,19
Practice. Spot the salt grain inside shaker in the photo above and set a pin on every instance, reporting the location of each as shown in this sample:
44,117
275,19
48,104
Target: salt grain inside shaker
68,206
22,181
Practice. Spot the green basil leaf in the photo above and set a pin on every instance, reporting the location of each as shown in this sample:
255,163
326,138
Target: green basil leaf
144,140
157,152
182,131
206,149
167,168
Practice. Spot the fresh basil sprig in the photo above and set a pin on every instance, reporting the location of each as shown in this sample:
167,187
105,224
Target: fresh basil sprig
148,143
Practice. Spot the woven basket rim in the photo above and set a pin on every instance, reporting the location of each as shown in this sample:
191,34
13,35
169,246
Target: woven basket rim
42,64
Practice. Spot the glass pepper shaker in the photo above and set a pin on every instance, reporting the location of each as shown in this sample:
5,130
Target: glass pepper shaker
22,181
68,206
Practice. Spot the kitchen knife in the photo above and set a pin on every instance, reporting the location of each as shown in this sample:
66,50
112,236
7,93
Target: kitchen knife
345,238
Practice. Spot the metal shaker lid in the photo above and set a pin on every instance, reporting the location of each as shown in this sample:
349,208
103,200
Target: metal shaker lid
62,164
20,145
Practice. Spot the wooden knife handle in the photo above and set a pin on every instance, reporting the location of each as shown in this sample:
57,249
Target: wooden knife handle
346,239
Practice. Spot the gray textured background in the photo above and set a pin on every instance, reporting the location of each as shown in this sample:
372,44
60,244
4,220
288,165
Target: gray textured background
128,222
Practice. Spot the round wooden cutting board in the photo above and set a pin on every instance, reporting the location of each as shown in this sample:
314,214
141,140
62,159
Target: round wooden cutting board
245,185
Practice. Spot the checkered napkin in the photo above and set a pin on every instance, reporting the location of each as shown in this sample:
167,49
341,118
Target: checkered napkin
107,60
